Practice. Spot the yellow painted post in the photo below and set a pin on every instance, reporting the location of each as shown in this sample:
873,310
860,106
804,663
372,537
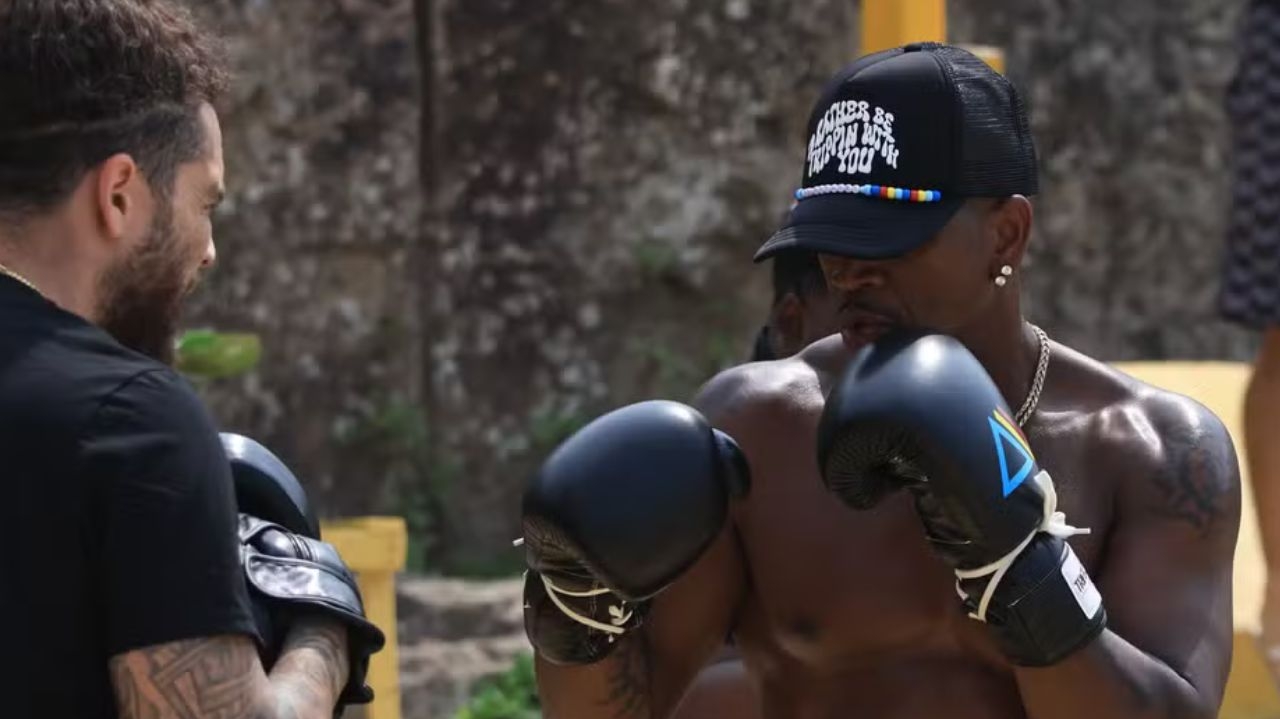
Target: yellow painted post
990,54
1251,692
375,548
890,23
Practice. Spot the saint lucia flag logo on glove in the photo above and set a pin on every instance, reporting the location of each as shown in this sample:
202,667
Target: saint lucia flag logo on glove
1007,436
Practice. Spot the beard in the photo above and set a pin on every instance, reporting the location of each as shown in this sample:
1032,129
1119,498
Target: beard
140,296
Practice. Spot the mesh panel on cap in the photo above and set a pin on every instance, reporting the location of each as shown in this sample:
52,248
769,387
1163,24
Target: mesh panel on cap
996,155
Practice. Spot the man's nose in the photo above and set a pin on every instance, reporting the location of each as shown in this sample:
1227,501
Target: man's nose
210,255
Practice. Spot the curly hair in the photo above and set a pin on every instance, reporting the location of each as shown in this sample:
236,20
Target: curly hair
82,80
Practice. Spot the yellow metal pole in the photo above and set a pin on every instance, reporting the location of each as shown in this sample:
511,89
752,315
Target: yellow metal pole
375,548
1251,692
890,23
992,55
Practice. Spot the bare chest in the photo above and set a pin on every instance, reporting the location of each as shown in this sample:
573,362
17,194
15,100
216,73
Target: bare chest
834,588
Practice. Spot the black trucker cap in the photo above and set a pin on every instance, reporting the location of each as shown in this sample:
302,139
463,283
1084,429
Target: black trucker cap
897,142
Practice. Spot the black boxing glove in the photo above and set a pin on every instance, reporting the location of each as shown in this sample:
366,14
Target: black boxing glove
615,514
290,575
918,411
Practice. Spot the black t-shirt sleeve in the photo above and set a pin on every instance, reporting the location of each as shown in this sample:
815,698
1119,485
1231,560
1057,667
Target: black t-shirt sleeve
164,517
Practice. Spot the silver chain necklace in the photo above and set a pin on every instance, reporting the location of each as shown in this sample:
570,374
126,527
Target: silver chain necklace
10,273
1037,383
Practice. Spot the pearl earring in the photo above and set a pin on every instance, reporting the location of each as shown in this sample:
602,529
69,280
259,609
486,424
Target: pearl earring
1005,273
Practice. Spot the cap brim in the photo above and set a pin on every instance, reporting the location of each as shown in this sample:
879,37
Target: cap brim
861,227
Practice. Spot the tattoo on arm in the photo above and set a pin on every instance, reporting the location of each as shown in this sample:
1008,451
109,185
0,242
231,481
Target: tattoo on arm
311,671
190,679
629,679
221,678
1194,482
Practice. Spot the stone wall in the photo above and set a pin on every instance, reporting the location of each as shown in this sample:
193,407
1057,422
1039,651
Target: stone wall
1127,110
603,171
464,228
318,240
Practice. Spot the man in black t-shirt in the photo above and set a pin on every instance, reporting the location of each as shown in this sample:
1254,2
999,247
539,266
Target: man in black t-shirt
122,587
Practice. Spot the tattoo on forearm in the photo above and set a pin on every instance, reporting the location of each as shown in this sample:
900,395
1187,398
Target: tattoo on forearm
312,669
221,678
1194,482
193,679
629,679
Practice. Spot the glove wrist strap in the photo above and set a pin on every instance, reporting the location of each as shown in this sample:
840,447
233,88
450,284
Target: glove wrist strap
1060,611
1053,523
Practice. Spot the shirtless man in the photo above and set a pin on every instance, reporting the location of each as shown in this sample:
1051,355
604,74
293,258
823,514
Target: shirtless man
647,544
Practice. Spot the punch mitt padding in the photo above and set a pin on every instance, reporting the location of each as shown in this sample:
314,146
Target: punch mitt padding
266,488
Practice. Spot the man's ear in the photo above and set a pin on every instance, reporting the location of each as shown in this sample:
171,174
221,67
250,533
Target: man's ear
119,182
1010,227
787,325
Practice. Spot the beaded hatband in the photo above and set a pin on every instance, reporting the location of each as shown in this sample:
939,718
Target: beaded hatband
888,193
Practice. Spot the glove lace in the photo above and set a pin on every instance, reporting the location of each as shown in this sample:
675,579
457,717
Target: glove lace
619,613
1053,523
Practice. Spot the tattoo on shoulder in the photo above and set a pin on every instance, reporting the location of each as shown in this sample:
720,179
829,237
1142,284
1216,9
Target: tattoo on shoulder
186,679
629,679
1195,480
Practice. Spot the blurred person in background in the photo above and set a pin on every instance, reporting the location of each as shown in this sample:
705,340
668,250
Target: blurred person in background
802,311
1250,293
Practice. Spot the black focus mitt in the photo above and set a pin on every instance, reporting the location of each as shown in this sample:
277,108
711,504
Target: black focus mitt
289,570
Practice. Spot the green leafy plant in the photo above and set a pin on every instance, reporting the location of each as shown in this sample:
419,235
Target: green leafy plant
656,259
510,695
214,355
415,479
549,427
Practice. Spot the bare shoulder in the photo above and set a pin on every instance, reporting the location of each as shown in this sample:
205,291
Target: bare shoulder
767,393
214,676
1192,476
1173,457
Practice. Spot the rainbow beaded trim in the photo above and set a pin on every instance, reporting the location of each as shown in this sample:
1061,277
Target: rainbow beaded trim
888,193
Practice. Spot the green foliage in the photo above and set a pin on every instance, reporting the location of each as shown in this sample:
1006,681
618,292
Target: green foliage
505,565
723,351
214,355
395,437
511,695
548,428
676,374
656,259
